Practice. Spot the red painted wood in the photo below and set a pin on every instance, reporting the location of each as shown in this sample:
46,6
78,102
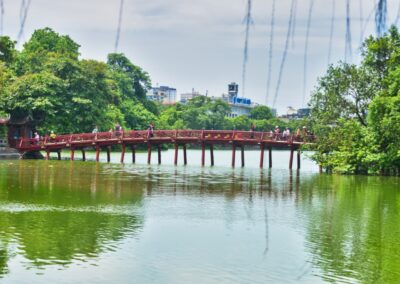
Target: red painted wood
72,154
291,159
203,154
97,153
262,156
270,157
149,153
298,160
123,153
242,150
233,155
176,154
133,154
184,155
212,154
108,154
159,153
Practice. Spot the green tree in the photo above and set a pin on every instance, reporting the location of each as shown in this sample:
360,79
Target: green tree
261,113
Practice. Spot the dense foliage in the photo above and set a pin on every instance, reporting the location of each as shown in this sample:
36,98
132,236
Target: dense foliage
355,111
61,92
48,81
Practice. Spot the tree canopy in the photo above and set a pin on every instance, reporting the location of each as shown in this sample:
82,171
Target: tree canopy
64,93
355,111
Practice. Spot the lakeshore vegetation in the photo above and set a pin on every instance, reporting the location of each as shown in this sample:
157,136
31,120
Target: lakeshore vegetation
355,109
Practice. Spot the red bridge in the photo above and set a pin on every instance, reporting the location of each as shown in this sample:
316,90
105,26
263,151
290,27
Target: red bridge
205,138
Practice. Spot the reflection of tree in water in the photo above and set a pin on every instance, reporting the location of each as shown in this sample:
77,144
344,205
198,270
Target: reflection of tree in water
47,237
58,214
3,260
353,227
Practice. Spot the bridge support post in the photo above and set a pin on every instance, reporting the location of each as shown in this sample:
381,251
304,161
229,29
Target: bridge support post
176,154
47,155
184,155
262,156
242,150
97,153
203,154
270,157
159,153
83,155
123,153
108,154
59,155
212,154
133,154
298,159
72,154
291,158
149,153
233,154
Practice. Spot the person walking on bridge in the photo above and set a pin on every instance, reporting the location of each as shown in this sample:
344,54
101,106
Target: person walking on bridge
53,136
252,129
151,129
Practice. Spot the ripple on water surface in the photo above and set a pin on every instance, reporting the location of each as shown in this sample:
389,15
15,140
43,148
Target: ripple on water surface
101,223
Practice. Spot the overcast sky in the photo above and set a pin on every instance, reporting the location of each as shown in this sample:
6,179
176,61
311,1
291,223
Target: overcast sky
199,43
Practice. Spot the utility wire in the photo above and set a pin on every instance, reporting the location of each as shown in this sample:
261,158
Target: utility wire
331,31
121,9
369,19
248,21
285,51
306,50
380,17
348,48
396,22
2,17
294,24
361,20
271,47
23,20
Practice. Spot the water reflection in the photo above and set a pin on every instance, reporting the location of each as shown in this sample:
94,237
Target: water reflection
353,227
58,214
289,226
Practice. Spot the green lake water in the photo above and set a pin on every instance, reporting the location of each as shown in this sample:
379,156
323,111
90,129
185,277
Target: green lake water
87,222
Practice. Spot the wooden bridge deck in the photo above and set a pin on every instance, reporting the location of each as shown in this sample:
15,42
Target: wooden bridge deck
104,140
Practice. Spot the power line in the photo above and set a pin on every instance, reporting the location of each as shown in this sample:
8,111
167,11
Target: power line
121,8
369,19
23,19
271,46
2,17
331,31
361,20
380,18
396,22
306,50
289,32
348,49
293,35
248,21
21,10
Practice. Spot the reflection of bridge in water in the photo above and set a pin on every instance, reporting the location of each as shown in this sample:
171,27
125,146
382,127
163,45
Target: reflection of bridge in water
104,140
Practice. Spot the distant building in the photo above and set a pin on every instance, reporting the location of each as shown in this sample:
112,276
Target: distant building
186,97
239,106
163,94
293,113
